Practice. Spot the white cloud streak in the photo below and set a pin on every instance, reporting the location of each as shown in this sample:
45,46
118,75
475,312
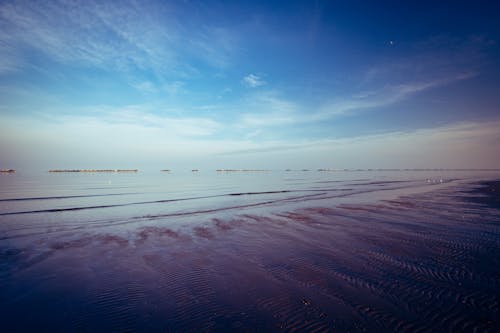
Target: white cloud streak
253,81
385,96
120,36
267,109
458,145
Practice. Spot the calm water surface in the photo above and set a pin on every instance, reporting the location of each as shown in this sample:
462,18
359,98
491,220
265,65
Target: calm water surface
249,251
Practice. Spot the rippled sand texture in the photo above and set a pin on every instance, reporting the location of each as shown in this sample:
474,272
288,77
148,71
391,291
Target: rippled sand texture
426,262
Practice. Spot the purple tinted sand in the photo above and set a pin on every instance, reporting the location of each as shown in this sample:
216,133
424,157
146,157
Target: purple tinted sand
423,262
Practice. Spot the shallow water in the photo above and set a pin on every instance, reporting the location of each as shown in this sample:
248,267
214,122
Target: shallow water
260,251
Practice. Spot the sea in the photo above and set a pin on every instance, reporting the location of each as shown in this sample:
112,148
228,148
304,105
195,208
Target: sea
250,251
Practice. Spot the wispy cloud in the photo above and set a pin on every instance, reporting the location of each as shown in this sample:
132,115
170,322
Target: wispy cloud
459,145
386,83
119,36
269,109
146,87
9,59
138,117
385,96
214,44
81,34
252,81
173,88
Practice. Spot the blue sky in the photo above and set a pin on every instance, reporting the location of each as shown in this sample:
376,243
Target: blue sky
208,84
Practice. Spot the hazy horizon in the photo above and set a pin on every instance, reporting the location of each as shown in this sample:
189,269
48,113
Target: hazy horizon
169,85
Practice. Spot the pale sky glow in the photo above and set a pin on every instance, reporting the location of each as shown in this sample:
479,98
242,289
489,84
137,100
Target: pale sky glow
213,85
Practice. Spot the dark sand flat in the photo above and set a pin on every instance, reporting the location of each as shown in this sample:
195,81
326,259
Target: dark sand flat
427,262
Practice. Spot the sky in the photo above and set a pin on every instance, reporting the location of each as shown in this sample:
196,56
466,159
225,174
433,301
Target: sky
249,84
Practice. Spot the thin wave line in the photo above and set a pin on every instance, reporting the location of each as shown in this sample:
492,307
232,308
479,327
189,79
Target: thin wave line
67,197
54,210
324,191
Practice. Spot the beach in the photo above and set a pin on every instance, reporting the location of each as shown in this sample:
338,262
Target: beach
249,166
305,252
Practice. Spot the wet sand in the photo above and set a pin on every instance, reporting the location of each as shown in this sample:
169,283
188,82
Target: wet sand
488,194
427,262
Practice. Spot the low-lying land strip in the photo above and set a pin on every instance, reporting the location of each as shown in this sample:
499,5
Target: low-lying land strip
93,170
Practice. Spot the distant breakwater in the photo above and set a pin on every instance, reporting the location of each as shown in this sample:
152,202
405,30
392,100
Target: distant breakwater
254,170
241,170
94,170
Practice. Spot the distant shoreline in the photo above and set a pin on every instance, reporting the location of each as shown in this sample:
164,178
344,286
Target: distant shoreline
95,170
322,170
242,170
